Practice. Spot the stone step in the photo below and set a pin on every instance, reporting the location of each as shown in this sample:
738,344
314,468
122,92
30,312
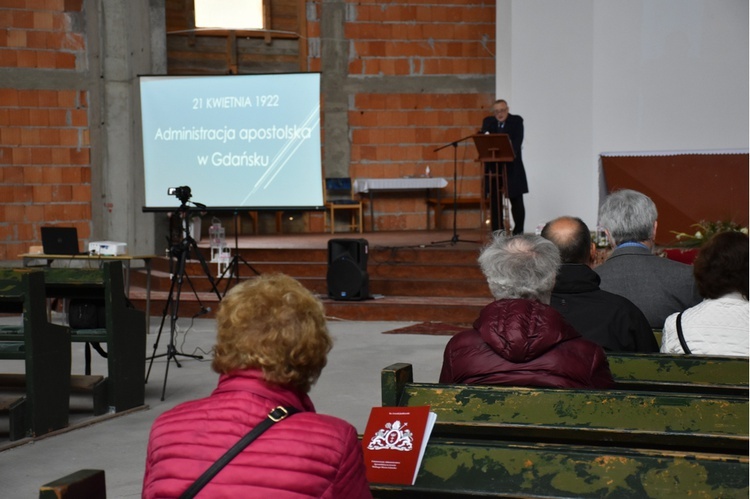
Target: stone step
408,282
385,308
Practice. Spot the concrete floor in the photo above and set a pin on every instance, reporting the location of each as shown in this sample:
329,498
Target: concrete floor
348,388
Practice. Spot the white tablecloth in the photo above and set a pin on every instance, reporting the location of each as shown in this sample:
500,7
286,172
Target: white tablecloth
364,185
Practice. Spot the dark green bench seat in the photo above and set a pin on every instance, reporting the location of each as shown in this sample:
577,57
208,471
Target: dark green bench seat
125,332
42,406
95,386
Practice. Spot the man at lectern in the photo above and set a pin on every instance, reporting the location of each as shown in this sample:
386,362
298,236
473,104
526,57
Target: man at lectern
503,122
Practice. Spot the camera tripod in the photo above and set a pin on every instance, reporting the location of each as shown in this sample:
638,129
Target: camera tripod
178,255
233,268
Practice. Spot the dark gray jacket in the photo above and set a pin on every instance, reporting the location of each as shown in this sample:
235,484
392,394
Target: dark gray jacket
656,285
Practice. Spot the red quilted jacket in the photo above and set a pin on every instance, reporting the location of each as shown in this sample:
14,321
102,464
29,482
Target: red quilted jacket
307,455
524,343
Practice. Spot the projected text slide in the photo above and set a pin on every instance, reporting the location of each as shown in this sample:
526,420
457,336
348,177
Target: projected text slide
250,141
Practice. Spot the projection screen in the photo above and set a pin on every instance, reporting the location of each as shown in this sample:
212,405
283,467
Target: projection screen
238,141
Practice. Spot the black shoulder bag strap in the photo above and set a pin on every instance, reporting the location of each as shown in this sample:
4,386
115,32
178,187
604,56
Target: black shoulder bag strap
273,417
681,336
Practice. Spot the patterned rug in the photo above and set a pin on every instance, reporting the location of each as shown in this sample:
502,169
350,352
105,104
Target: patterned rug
431,328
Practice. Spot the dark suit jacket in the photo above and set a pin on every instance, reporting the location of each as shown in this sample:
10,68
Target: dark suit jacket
658,286
517,184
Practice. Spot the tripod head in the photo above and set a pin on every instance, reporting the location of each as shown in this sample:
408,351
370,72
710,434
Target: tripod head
184,193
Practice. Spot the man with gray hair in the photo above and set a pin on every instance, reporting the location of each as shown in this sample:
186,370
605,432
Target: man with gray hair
518,339
658,286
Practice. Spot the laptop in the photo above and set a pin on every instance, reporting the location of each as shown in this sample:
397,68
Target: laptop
60,241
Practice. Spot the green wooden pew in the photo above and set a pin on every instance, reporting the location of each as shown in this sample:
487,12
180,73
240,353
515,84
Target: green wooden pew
611,417
480,468
45,349
497,441
125,332
681,373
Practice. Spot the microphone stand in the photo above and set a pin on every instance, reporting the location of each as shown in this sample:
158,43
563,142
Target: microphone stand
455,239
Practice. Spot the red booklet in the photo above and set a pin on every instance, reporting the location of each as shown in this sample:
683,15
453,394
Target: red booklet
394,442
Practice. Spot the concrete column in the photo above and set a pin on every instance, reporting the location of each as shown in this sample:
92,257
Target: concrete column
334,63
133,43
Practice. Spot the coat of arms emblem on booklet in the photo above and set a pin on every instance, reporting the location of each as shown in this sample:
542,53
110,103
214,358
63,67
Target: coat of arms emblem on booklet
394,442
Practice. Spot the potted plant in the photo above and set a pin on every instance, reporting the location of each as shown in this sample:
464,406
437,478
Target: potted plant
686,246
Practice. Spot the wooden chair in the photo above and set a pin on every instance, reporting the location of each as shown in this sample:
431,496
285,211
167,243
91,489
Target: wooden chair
339,196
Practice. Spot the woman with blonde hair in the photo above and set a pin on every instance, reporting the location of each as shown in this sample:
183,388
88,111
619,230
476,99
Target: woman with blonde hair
272,344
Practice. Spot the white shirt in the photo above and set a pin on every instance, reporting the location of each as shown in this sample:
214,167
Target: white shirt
713,327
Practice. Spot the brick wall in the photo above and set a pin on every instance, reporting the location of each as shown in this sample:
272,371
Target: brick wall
45,170
431,53
394,134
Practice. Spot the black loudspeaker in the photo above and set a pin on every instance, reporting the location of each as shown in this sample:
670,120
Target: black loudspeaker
347,269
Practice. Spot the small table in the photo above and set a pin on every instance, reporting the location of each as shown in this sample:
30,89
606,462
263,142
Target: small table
126,259
369,185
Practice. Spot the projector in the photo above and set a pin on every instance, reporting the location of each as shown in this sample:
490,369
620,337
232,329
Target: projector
108,248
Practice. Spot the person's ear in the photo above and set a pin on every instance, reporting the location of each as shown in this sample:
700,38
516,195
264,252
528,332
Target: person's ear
653,234
610,241
592,253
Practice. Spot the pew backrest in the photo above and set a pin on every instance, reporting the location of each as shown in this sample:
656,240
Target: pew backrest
594,417
712,375
482,469
125,332
45,349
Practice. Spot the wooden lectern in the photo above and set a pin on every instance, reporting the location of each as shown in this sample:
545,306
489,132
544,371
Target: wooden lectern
496,148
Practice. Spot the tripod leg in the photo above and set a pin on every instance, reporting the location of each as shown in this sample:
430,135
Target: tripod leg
204,265
177,278
234,265
237,258
174,301
171,350
161,327
153,355
229,280
240,259
166,373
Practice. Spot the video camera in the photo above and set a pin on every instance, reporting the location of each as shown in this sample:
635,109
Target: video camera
183,193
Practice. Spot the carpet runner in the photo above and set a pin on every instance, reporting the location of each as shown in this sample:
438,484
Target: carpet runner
431,328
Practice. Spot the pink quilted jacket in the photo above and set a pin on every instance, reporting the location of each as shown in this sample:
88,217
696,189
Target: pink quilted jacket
307,455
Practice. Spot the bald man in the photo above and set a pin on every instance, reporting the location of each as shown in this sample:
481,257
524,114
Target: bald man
607,319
